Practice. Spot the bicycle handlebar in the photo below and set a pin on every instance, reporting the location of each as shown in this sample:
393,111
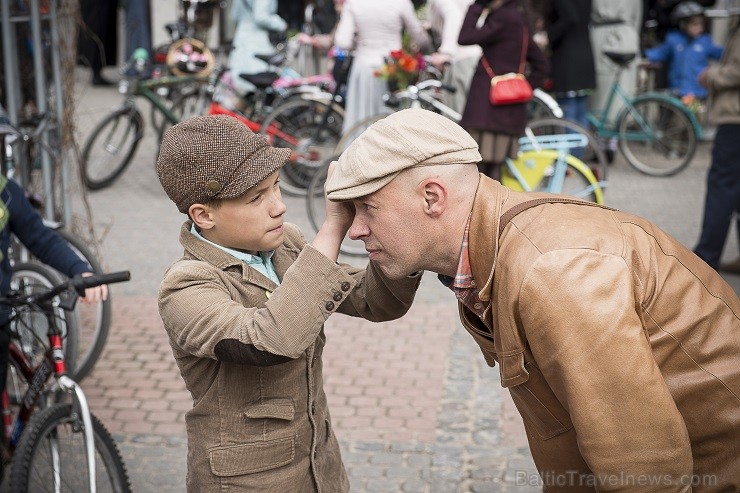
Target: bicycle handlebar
78,283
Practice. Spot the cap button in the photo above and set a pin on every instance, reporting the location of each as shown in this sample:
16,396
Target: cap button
213,186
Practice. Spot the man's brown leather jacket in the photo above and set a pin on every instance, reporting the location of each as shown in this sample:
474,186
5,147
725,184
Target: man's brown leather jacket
620,347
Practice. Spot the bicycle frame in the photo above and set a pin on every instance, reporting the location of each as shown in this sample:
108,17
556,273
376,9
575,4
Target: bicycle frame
52,365
146,88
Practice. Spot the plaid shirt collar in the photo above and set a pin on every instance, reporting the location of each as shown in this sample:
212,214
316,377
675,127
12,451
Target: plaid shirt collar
463,284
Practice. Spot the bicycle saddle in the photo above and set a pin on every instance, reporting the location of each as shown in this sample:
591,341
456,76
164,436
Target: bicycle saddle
261,80
276,59
622,59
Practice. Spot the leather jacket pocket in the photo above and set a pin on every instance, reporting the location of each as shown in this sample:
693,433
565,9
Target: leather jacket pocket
539,406
252,457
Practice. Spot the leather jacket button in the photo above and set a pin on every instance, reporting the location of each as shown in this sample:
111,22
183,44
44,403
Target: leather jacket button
329,305
337,296
345,286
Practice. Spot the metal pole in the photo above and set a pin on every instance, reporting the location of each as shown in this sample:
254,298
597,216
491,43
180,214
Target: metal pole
57,68
10,51
40,76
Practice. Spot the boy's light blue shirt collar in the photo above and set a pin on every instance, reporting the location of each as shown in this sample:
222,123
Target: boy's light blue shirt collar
261,262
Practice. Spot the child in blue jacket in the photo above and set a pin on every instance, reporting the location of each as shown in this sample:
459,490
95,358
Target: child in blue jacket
686,50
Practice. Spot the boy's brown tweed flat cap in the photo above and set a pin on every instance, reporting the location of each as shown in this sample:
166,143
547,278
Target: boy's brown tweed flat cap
407,138
214,157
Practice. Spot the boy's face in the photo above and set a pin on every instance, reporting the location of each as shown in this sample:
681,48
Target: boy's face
252,222
695,26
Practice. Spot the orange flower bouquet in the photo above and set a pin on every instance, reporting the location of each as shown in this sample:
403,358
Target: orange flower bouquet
400,69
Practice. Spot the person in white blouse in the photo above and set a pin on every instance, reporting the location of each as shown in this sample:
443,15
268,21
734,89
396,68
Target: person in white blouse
446,17
372,29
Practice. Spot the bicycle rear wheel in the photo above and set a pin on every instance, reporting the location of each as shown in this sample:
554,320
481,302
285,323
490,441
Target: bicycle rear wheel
110,148
311,128
316,208
51,455
30,327
656,136
541,170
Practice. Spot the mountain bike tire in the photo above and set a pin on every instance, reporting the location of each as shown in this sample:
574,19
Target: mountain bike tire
31,327
316,209
110,148
671,143
32,468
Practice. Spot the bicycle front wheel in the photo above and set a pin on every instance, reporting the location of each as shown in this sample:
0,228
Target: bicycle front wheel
316,208
93,320
656,136
311,129
30,327
110,148
51,455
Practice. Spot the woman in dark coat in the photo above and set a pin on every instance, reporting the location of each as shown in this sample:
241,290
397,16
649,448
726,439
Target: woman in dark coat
498,26
573,73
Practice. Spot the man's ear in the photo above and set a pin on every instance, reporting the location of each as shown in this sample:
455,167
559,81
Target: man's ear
435,196
201,216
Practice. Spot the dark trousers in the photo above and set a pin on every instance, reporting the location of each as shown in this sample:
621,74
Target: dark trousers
723,193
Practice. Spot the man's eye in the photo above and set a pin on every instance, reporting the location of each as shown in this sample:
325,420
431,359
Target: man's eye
255,199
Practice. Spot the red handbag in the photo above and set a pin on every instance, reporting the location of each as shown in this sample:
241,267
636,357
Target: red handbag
511,88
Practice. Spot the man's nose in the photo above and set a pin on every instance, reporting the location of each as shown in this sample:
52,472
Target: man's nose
358,230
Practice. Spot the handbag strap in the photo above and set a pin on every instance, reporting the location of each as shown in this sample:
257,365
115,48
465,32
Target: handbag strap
523,59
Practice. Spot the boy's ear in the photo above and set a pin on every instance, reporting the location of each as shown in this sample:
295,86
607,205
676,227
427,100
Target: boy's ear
201,216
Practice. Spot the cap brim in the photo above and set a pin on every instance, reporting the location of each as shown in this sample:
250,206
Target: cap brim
361,190
275,156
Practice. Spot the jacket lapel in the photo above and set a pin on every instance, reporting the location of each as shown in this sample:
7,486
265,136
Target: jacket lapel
203,251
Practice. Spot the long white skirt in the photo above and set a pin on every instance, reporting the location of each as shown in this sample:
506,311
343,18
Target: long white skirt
364,94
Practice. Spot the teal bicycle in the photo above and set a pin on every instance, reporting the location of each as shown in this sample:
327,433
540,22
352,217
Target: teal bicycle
657,134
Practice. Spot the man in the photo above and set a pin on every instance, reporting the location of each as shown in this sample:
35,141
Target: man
722,198
620,347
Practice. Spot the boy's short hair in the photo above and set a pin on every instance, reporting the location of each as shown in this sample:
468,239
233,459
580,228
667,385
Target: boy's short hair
214,157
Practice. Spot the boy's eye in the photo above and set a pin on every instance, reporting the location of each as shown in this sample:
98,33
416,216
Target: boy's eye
255,199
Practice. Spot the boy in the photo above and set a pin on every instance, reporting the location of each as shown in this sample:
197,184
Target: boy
687,51
244,310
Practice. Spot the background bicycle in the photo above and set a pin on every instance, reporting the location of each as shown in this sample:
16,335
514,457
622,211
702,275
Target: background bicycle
50,437
655,132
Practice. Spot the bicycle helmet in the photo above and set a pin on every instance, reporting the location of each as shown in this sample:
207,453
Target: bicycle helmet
684,10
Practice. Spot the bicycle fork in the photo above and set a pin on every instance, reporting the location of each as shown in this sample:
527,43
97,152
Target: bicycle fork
80,406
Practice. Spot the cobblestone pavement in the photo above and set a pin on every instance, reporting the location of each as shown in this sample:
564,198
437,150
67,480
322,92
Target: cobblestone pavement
414,404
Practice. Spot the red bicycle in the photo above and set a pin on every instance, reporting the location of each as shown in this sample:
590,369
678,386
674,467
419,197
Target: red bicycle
50,438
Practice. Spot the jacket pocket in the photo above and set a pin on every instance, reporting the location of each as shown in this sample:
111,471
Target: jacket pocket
272,409
253,457
539,406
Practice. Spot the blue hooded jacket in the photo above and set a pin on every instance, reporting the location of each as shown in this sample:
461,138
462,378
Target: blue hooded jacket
686,58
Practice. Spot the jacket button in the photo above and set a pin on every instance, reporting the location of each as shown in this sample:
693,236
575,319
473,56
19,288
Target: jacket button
329,305
345,286
337,296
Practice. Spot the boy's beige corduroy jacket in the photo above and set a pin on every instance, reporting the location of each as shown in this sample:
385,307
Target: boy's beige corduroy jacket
250,355
620,347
